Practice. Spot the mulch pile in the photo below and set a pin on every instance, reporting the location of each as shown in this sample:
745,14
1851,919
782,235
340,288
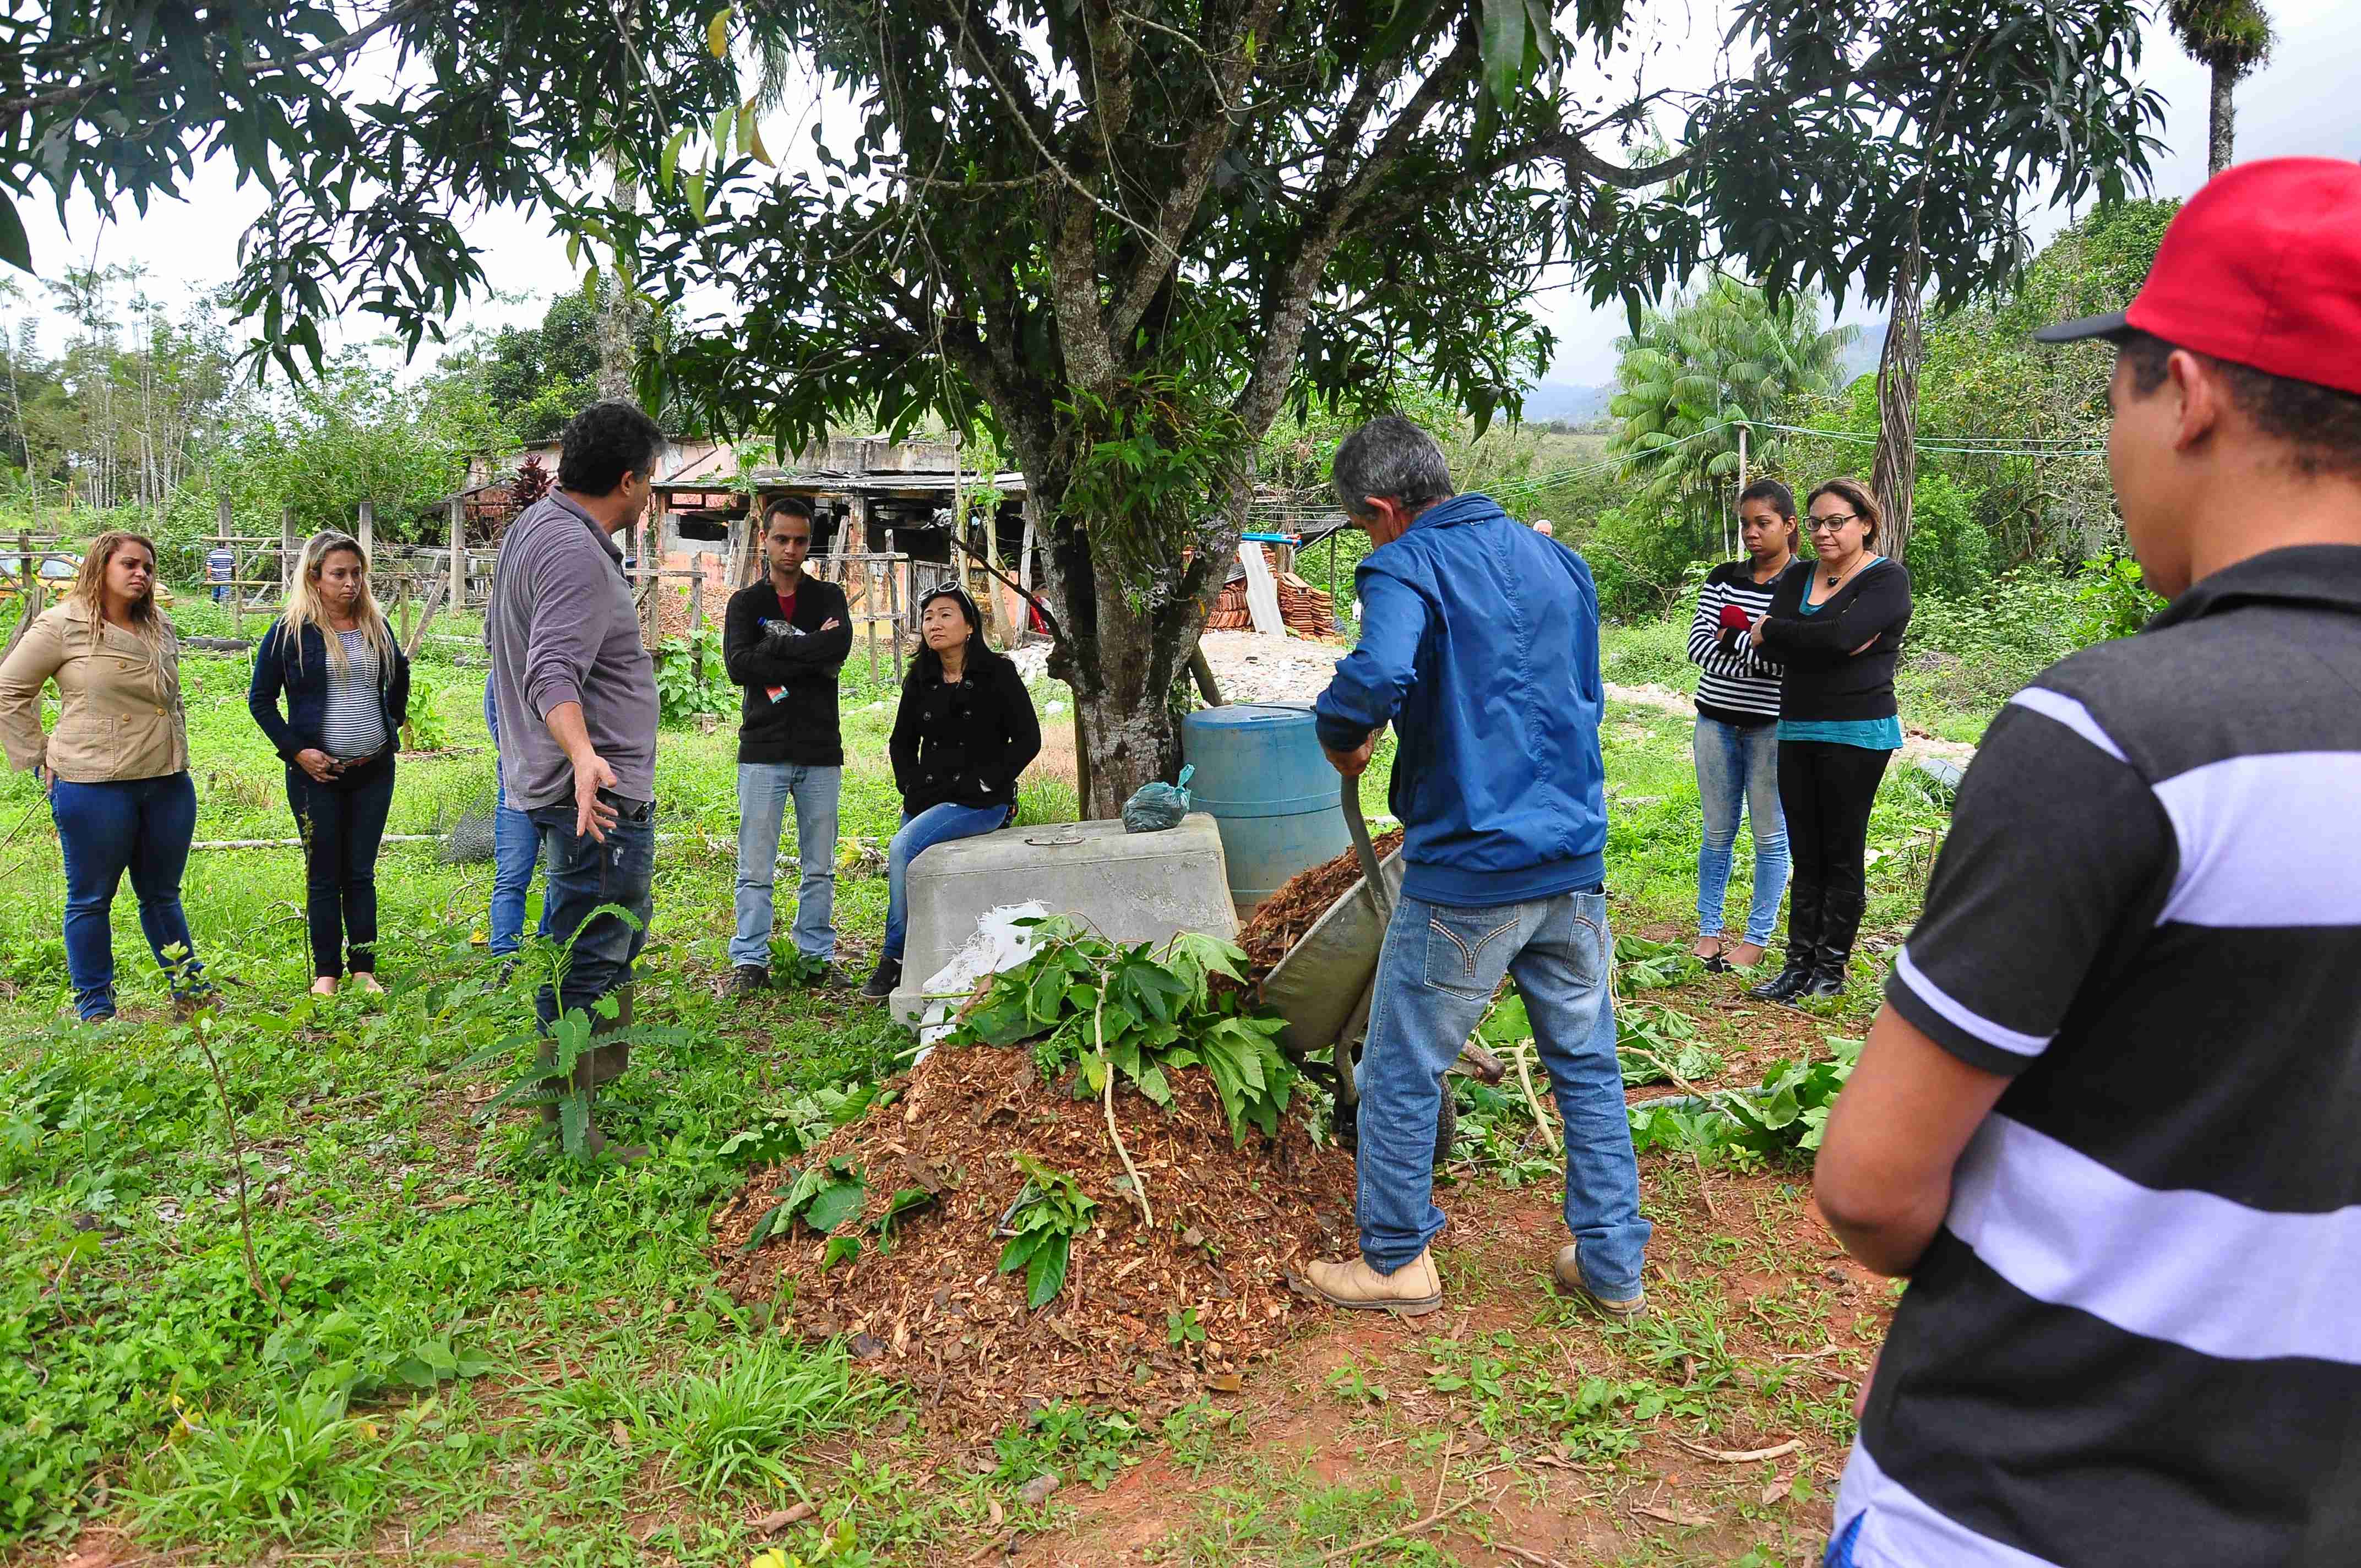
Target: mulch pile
1231,1224
1281,920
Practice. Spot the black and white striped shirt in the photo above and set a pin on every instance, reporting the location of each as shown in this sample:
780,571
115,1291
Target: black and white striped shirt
354,723
2137,1338
1736,689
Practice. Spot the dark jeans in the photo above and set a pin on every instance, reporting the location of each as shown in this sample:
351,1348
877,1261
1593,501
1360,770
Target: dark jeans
142,826
582,875
1826,791
342,822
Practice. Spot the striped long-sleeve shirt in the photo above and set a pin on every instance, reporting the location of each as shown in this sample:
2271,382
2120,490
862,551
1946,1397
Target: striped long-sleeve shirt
1735,687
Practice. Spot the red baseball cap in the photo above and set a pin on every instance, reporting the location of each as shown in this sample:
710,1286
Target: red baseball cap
2262,268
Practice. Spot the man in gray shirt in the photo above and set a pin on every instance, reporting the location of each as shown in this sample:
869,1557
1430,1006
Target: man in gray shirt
574,690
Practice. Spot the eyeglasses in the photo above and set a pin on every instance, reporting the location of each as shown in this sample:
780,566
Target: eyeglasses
1830,524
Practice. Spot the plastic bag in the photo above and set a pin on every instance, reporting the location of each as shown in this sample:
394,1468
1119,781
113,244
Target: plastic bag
999,943
1157,808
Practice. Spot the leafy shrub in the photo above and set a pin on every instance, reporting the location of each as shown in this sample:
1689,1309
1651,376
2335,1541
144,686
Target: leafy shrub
681,696
2113,599
1645,566
1949,553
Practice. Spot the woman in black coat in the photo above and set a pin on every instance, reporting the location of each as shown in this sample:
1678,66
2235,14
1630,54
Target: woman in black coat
965,730
1834,629
346,688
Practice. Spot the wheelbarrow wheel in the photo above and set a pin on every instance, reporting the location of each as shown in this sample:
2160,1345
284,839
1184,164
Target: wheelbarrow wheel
1347,1125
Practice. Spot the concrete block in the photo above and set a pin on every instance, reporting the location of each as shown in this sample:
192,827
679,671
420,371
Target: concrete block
1132,887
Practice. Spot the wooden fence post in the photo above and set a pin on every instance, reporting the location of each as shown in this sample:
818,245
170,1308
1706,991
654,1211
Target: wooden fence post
368,531
696,616
221,525
458,595
893,602
286,551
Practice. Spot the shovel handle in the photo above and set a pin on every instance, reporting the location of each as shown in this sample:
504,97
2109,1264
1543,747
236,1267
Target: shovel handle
1349,797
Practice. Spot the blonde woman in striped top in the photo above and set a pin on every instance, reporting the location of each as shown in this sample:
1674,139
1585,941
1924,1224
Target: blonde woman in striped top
1737,743
348,693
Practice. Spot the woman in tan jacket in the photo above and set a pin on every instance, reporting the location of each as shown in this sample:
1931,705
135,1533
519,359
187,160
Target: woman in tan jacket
117,766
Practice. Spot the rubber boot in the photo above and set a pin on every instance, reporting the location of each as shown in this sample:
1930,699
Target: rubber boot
1803,945
1841,911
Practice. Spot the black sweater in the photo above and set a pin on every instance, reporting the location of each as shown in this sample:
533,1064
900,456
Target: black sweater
964,743
1821,677
800,723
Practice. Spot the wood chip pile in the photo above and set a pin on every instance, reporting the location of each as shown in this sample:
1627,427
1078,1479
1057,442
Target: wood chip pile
1281,920
1230,1224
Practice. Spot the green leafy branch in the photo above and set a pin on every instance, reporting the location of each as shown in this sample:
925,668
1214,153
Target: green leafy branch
1141,1013
1051,1211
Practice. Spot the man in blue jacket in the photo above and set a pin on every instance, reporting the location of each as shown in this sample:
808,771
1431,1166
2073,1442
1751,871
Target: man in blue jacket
1479,643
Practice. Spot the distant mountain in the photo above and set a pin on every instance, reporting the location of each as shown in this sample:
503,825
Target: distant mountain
1862,359
1565,400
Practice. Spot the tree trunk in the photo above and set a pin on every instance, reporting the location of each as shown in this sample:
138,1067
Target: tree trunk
1895,475
1122,653
2223,120
620,316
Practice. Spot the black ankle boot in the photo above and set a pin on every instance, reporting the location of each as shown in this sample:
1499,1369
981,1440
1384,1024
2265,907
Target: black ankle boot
882,980
1841,911
1803,946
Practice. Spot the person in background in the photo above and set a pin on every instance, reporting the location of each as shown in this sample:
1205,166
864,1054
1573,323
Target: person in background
1546,529
116,767
784,638
2105,1119
221,567
1737,740
1834,629
576,691
1481,647
346,683
964,732
516,849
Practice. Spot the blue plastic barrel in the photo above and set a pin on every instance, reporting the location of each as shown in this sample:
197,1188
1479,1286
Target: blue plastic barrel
1262,778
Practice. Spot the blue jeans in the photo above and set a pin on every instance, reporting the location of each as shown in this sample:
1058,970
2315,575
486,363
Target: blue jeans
763,790
343,825
516,848
585,874
935,825
1436,974
142,826
1738,769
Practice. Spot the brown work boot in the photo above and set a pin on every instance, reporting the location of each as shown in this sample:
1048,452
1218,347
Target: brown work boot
1413,1290
1567,1271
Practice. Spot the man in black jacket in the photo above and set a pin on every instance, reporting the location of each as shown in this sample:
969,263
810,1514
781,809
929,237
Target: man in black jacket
784,640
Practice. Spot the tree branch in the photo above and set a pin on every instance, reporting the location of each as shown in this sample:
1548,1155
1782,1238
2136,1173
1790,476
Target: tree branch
247,70
1286,301
1215,132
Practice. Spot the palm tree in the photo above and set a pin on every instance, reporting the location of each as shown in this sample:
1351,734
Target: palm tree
1696,374
2233,38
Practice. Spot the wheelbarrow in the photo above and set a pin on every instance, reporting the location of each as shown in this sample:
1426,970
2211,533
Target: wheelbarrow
1323,985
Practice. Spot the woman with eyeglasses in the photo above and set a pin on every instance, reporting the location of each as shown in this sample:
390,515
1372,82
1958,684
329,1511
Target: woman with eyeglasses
964,732
1737,740
1834,629
346,689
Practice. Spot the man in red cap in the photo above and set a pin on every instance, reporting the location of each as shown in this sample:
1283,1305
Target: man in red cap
2109,1121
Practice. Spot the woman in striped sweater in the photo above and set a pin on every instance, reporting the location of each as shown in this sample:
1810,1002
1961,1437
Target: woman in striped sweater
1737,744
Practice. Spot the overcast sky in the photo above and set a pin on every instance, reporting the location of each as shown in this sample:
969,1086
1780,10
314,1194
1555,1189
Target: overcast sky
2302,102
